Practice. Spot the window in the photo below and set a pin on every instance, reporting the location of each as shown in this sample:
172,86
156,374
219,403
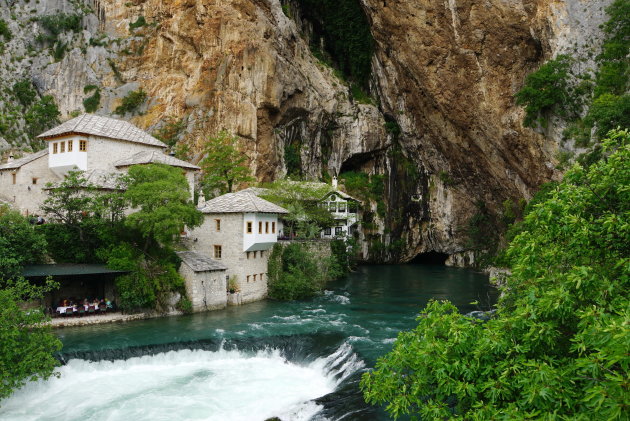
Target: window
247,253
55,147
262,253
266,227
83,145
247,278
70,142
249,227
338,230
327,231
255,254
261,276
14,178
259,227
342,206
332,207
217,222
34,180
254,277
62,147
273,227
217,252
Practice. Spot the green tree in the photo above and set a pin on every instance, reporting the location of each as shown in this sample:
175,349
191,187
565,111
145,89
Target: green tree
131,102
20,243
293,273
558,345
306,217
26,344
162,196
224,166
545,90
42,115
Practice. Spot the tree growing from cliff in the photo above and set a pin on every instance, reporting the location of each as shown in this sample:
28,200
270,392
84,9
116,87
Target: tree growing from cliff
558,345
224,166
162,196
26,344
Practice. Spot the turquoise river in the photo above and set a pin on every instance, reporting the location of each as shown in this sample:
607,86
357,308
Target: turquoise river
295,361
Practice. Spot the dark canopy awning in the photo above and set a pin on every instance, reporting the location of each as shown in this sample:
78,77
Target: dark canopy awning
68,269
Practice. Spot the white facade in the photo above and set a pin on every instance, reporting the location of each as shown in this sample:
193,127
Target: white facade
260,231
22,181
67,154
344,211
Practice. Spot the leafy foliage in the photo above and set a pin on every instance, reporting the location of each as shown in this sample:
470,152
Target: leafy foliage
5,31
555,89
92,102
293,273
545,90
26,344
131,102
20,243
306,217
24,92
224,166
153,276
293,158
557,348
56,24
139,23
296,274
169,132
162,196
345,31
42,116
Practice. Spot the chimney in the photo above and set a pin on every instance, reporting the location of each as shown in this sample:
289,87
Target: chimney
334,182
10,158
202,199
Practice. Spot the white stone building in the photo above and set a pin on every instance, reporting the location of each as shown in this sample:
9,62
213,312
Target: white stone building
344,210
100,146
205,280
239,230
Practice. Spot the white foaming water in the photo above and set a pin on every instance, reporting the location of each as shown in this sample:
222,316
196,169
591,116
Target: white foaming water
341,299
184,385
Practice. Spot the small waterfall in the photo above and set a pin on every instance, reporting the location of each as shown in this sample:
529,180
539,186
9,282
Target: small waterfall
292,377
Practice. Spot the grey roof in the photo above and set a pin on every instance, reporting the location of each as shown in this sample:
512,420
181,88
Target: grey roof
200,263
241,202
18,163
105,127
261,191
149,157
342,194
67,269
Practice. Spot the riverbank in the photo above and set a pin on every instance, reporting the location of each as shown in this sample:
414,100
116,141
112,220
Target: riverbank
116,317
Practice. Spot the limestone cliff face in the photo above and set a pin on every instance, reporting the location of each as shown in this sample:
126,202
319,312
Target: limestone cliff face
446,71
242,66
445,134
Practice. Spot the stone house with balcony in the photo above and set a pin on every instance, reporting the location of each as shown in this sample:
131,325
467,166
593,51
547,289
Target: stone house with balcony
102,147
239,229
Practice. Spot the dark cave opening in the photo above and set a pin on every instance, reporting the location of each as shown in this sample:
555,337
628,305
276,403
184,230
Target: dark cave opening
430,258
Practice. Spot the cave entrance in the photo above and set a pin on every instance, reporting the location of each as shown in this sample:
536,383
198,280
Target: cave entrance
430,258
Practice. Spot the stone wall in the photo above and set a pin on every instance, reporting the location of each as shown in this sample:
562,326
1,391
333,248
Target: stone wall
25,196
206,290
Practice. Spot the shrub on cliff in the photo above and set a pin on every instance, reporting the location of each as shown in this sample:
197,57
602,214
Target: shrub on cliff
558,346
